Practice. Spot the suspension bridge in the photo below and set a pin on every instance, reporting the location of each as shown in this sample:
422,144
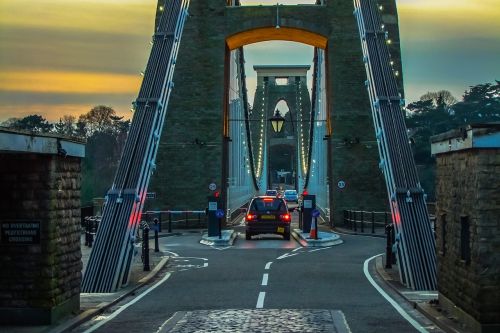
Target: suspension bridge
202,130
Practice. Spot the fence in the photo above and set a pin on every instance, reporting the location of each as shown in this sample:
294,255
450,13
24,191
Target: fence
363,221
178,219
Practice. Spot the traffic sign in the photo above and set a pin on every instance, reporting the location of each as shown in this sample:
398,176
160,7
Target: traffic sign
212,186
219,213
341,184
315,213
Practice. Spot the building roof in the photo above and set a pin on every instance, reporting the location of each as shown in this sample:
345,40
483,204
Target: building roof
18,141
483,136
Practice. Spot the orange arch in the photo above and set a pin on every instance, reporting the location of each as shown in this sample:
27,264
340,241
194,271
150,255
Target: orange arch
272,33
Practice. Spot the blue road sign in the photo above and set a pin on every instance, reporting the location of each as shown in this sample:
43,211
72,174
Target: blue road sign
315,213
219,213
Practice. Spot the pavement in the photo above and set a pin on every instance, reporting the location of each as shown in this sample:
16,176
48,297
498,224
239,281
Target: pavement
94,304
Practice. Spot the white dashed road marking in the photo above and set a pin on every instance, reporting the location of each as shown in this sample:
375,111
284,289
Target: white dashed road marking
260,300
265,277
268,265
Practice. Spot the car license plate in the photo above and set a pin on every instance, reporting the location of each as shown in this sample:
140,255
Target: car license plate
268,217
281,229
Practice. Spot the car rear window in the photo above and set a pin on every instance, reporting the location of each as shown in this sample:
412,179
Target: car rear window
265,204
271,192
290,192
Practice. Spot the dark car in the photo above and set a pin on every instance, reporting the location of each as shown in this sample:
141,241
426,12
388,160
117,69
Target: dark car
267,215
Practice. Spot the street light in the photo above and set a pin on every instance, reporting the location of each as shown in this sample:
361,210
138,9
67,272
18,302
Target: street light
277,121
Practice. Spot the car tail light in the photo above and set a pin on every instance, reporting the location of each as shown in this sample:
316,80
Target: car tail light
268,199
285,217
250,217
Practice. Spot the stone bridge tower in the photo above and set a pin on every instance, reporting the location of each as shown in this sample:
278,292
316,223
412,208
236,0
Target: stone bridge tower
289,84
198,107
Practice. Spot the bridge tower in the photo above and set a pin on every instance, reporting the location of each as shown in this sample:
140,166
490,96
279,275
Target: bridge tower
195,141
289,84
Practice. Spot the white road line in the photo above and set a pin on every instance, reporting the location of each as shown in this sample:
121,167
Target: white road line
296,249
399,309
260,300
205,264
172,253
132,302
265,277
268,265
323,248
286,255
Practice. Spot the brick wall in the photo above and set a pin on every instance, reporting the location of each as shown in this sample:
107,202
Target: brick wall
39,282
468,188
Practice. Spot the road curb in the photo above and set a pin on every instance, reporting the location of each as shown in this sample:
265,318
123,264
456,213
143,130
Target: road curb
331,240
90,313
441,321
224,241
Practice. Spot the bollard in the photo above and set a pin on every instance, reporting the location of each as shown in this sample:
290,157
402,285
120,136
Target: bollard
145,247
388,248
159,222
169,222
91,229
87,231
157,228
316,226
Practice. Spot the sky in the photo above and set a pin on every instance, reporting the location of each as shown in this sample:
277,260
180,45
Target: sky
62,57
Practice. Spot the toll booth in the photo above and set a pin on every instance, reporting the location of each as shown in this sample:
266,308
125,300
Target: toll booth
308,205
213,220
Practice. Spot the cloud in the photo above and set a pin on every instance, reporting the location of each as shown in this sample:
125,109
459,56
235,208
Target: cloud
81,15
68,82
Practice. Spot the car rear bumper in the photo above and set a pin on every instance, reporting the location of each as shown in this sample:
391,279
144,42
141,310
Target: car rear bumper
267,228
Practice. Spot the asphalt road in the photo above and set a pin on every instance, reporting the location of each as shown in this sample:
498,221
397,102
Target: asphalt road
199,277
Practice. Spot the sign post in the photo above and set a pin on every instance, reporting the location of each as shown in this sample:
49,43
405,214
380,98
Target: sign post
308,204
219,213
213,205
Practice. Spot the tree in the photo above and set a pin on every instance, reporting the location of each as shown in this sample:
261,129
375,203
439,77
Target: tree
98,119
444,95
106,134
32,123
66,125
437,112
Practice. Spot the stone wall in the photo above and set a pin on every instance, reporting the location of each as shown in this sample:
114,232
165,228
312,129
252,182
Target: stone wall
40,282
468,189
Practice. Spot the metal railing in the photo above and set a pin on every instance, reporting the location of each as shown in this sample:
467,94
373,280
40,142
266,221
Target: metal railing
178,219
364,221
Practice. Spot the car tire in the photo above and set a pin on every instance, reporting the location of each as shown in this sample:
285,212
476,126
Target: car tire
286,236
248,236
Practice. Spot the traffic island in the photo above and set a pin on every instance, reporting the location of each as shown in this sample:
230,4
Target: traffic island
226,239
324,238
